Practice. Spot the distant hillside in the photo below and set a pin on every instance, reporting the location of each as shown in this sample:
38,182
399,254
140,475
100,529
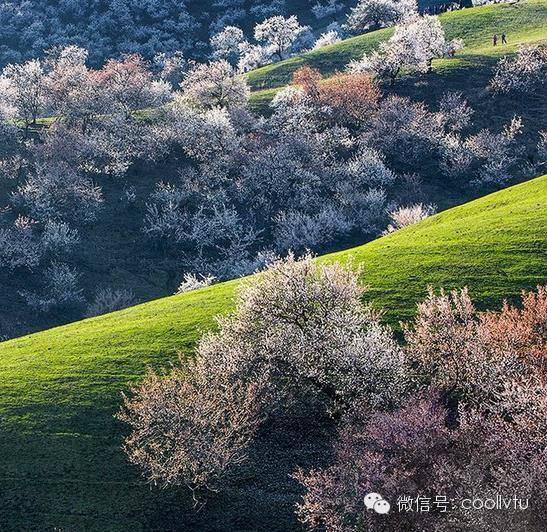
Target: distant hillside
126,26
61,464
523,22
29,27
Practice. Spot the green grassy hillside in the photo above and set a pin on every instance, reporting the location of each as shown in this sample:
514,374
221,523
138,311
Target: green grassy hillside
523,22
61,464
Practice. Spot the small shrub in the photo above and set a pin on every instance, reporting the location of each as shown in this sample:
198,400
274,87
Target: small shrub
193,282
58,238
542,149
405,216
326,39
61,290
109,300
18,245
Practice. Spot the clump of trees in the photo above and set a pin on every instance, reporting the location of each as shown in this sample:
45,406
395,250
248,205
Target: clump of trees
170,32
318,347
53,177
416,42
478,425
417,452
276,38
293,181
108,30
458,407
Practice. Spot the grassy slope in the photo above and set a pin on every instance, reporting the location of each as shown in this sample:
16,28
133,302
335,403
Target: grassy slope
523,23
61,465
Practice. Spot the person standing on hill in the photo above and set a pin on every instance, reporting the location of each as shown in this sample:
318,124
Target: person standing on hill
503,38
495,39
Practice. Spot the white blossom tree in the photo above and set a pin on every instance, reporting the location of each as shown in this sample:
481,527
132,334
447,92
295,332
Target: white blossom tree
59,193
207,137
172,67
129,85
18,245
25,90
300,337
454,111
74,92
215,84
404,131
416,42
498,154
9,138
367,167
279,33
8,95
228,44
489,157
254,56
374,14
61,289
58,238
523,72
326,39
